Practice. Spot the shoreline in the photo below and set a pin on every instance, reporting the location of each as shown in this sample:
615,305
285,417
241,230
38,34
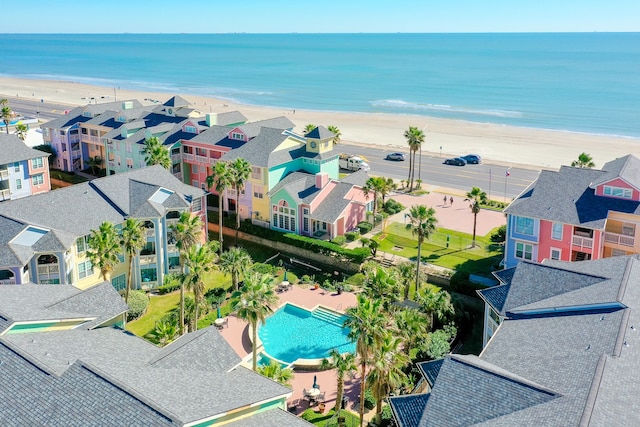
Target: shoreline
496,143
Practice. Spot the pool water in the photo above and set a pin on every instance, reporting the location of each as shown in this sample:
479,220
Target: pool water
293,333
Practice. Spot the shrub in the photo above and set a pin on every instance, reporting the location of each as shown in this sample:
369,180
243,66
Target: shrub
351,235
391,207
138,302
365,227
386,416
500,235
263,268
339,240
307,279
369,400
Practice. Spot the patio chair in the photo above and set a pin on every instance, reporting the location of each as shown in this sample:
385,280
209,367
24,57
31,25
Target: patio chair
305,392
321,397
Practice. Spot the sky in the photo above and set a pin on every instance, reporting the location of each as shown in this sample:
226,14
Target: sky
327,16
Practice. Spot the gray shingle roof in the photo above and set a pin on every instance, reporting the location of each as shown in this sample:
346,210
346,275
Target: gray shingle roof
627,168
333,205
273,418
358,178
408,409
252,129
66,121
320,132
259,151
176,101
230,118
430,370
14,150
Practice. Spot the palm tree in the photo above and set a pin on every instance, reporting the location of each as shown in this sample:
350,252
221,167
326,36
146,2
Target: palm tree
415,138
375,185
22,130
437,305
381,284
367,323
240,171
156,153
386,369
412,326
336,134
387,188
164,331
344,364
236,262
584,161
221,179
187,231
94,163
132,239
405,271
476,197
422,222
308,128
199,260
276,372
104,248
6,113
253,302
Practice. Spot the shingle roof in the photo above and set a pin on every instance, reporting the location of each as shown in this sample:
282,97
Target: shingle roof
273,418
320,132
430,370
261,150
627,168
252,129
176,101
14,150
71,118
408,409
358,178
333,205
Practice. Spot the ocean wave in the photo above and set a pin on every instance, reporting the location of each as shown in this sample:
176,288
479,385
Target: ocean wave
400,104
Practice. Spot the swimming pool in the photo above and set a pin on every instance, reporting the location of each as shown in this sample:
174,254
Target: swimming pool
293,333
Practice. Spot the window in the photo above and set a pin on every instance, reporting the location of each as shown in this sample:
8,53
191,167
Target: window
305,224
18,184
190,129
494,316
85,269
82,244
196,204
626,193
238,136
194,169
119,282
618,252
256,172
36,163
93,132
524,225
38,179
195,183
556,231
16,167
284,218
524,251
628,229
129,147
203,169
556,253
258,192
130,163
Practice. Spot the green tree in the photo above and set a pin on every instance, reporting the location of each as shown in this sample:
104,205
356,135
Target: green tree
337,135
381,284
155,153
476,197
415,138
164,332
344,364
386,374
132,239
22,130
413,327
48,149
367,323
240,171
584,161
405,271
104,248
221,179
375,185
437,305
6,113
94,164
199,261
276,372
309,128
253,302
187,232
235,262
422,223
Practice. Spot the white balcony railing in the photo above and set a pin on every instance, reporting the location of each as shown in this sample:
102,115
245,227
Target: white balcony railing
202,159
48,269
148,259
188,157
8,282
176,158
4,174
619,239
583,242
76,154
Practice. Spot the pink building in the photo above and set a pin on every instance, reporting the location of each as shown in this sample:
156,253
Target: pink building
23,170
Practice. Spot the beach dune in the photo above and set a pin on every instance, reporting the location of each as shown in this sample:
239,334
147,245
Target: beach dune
537,148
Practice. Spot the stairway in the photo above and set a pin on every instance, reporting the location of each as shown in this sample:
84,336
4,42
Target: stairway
329,316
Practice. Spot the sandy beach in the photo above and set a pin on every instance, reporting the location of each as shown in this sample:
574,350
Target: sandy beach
495,143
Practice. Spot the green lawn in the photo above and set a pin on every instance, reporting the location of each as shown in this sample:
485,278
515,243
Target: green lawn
327,419
446,248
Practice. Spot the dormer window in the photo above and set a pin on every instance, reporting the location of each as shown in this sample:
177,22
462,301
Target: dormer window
625,193
86,114
122,119
190,129
238,136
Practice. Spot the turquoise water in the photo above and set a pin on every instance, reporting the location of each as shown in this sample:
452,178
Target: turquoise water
293,333
587,82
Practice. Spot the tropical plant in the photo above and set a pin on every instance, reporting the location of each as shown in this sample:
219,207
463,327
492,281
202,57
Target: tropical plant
381,283
253,302
198,261
386,373
221,179
366,322
156,154
308,128
476,197
48,149
236,262
405,270
276,372
94,164
415,138
336,134
132,239
164,332
344,364
437,305
584,161
187,232
422,223
413,327
240,171
138,304
22,130
377,186
104,248
6,113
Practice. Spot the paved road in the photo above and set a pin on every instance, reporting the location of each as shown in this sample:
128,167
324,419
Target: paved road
490,177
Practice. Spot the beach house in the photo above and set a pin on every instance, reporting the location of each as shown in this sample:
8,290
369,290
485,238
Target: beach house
576,214
43,238
565,353
65,361
24,171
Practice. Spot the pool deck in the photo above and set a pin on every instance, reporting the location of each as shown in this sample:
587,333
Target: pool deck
237,335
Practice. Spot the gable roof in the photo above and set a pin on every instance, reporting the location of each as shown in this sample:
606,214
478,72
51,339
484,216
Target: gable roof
627,168
261,150
320,132
14,150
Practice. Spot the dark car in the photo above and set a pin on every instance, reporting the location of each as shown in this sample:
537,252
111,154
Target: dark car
395,156
456,161
472,159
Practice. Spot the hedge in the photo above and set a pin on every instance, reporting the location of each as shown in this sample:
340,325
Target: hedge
138,302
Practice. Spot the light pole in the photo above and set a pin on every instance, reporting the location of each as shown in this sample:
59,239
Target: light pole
506,175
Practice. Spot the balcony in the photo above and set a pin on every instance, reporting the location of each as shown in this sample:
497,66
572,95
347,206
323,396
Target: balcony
202,159
5,194
188,157
619,239
148,259
48,269
76,154
176,158
4,174
583,242
8,282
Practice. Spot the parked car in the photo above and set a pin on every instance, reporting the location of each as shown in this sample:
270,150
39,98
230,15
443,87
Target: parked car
396,156
472,159
456,161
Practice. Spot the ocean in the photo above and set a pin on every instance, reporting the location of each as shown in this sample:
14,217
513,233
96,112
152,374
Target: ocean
581,82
